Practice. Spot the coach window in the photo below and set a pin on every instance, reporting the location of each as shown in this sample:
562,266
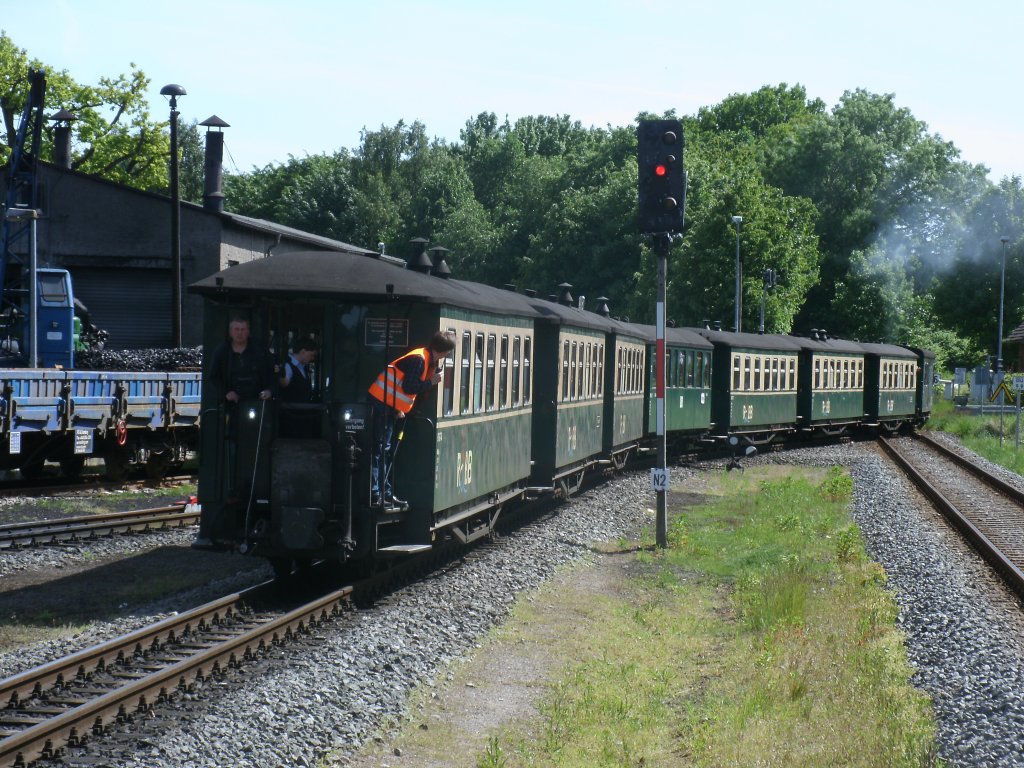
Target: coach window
600,369
587,368
527,370
573,365
757,374
492,365
478,374
448,397
707,370
565,370
817,373
464,381
579,371
698,374
516,370
503,374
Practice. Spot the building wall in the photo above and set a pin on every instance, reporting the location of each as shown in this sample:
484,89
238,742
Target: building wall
117,241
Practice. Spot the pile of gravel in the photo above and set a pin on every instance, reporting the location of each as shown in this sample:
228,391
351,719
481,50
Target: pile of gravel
964,636
180,359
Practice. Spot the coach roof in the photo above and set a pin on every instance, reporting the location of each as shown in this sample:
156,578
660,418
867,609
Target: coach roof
357,275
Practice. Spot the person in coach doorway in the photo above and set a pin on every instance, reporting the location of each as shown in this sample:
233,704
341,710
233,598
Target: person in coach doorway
394,392
296,387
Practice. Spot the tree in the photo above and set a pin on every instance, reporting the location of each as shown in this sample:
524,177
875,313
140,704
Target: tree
113,136
874,173
312,194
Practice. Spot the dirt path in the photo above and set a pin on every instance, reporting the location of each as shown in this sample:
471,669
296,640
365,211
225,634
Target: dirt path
503,681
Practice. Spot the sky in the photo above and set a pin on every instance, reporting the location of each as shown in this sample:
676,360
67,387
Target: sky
305,77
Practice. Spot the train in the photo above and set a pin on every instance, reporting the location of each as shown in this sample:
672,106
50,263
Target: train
537,393
59,414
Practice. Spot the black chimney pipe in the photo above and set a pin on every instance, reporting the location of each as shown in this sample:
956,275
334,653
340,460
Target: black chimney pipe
213,165
62,138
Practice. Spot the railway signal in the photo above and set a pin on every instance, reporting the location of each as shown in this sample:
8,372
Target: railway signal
661,187
660,180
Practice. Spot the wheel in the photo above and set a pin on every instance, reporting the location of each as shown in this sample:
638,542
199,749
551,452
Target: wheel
282,567
32,470
72,466
157,464
116,466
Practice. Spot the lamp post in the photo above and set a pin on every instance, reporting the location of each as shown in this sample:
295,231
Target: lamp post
173,92
32,215
739,278
1002,284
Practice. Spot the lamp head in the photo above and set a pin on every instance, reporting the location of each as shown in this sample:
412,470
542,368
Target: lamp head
737,219
173,91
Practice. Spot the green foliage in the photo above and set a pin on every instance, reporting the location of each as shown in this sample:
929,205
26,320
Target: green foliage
837,486
114,135
877,229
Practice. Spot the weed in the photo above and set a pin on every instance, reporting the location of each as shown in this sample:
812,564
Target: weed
494,756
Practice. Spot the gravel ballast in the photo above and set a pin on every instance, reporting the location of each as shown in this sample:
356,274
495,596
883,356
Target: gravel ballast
965,635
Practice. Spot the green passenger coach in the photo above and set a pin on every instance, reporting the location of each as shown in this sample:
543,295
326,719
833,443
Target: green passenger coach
890,386
624,425
687,387
568,413
755,383
830,384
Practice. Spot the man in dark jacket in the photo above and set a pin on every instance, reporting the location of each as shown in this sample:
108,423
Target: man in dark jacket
242,368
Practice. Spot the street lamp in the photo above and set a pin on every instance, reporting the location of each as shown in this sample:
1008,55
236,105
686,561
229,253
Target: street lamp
32,215
173,92
1002,283
739,277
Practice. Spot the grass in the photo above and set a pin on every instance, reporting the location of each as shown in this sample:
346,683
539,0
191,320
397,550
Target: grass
763,635
116,501
980,433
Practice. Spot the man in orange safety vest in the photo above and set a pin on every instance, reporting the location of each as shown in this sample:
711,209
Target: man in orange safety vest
394,392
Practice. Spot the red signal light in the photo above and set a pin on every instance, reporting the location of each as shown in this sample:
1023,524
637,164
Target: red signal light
660,170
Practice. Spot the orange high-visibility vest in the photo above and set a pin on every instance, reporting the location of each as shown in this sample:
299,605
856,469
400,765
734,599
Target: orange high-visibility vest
388,386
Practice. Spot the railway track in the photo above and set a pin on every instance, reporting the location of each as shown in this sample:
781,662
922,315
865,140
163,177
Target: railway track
55,485
45,710
986,510
40,532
